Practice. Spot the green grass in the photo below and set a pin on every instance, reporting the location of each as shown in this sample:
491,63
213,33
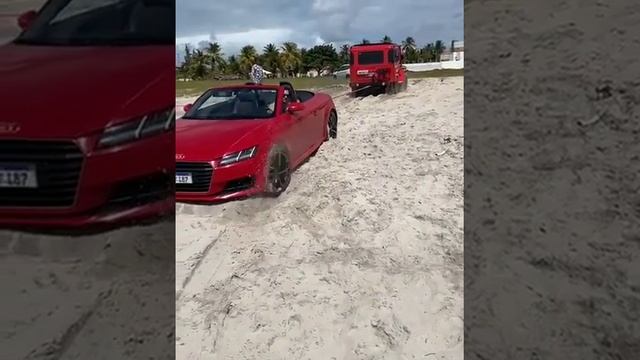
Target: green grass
193,88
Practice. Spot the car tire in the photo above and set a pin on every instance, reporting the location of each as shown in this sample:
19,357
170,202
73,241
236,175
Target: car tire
390,89
278,172
332,125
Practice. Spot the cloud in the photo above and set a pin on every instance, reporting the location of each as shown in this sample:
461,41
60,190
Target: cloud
256,22
234,41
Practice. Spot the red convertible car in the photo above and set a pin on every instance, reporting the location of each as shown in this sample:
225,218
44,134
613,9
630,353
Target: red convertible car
238,141
88,114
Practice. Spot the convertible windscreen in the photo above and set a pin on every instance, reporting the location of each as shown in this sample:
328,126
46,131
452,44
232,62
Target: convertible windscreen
103,23
234,104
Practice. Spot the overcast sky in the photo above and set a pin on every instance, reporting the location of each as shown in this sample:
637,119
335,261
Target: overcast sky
235,23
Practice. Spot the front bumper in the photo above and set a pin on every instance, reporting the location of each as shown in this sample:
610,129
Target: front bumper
118,185
235,181
361,82
97,219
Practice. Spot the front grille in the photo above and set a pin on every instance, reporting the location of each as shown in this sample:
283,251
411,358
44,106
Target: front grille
200,173
58,165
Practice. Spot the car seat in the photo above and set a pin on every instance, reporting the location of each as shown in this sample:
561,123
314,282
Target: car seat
246,104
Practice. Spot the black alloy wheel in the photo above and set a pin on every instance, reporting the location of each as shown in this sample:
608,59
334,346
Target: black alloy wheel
278,172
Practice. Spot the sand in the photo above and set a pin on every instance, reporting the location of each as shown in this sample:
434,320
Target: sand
362,256
101,296
553,240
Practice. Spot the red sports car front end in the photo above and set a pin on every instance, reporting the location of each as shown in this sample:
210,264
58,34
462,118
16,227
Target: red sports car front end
214,183
206,170
67,183
87,133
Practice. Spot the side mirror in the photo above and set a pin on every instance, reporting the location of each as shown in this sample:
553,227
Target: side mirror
295,107
26,20
187,107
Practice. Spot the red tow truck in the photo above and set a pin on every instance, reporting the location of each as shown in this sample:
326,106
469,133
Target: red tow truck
377,67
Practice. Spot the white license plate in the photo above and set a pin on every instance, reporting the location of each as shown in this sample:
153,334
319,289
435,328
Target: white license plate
18,176
363,72
184,178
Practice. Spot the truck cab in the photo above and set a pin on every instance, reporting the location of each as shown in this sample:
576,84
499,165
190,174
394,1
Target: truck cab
377,66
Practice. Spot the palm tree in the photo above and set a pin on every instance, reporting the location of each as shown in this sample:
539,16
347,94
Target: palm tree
215,56
427,53
187,54
386,39
271,58
438,49
409,49
233,66
290,58
408,44
344,53
248,57
303,66
197,67
186,62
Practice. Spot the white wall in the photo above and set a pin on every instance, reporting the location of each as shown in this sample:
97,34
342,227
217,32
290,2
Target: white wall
453,64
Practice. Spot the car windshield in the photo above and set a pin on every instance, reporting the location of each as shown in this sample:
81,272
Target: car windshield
233,104
370,57
102,23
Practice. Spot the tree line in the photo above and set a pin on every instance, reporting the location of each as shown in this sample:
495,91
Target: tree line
207,62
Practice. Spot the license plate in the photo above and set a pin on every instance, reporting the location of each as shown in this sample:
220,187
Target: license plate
363,72
18,176
184,178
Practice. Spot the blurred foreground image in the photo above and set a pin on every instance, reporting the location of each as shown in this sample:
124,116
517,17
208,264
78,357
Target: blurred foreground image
86,179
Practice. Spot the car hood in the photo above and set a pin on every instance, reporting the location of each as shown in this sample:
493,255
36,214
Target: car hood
67,92
207,140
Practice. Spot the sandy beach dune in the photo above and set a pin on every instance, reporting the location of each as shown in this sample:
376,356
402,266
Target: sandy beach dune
361,258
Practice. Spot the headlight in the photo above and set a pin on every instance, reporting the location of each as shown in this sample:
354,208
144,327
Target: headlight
139,128
239,156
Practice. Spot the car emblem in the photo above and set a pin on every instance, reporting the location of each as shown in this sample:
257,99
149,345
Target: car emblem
9,128
179,156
